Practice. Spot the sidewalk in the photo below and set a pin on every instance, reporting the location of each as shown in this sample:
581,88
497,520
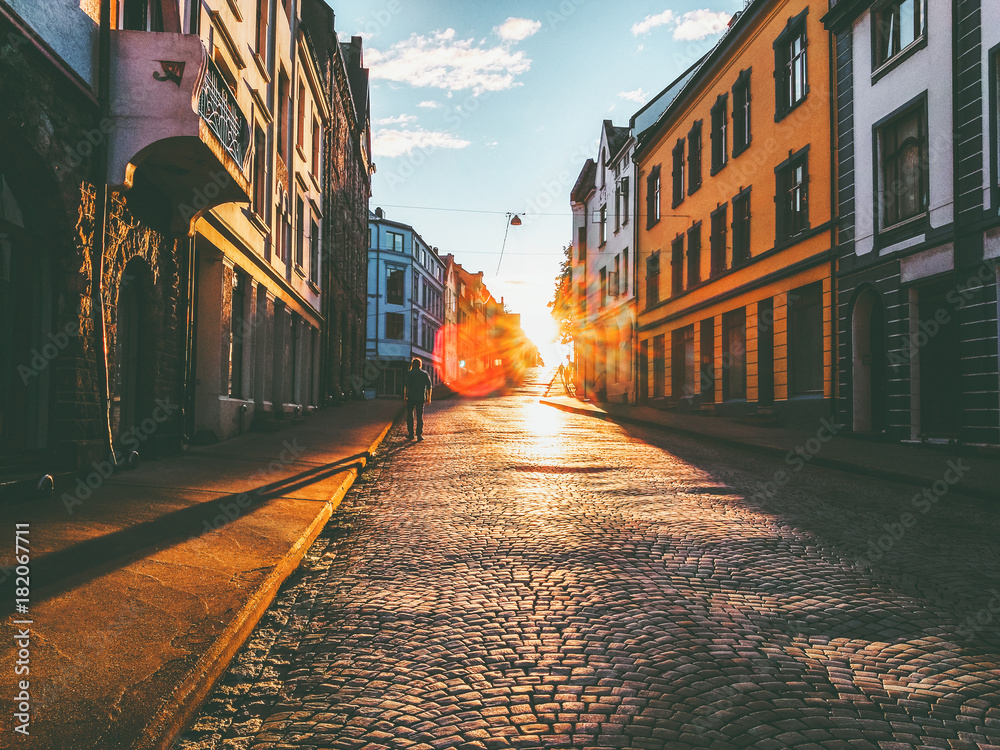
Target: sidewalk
142,592
916,465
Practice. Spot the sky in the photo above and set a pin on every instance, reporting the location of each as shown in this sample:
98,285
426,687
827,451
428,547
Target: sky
480,110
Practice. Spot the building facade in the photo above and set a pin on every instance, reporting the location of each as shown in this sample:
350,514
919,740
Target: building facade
735,300
918,227
406,280
347,173
164,191
604,243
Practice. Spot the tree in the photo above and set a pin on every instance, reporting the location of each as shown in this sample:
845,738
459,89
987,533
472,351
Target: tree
562,307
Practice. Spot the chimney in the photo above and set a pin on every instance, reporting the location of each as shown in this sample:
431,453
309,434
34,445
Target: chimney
379,213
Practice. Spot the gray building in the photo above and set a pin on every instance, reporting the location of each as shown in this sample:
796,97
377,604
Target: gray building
406,282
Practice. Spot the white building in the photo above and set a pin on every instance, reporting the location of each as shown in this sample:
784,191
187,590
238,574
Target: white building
603,268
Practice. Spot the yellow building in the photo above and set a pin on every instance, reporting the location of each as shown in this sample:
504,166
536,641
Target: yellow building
735,232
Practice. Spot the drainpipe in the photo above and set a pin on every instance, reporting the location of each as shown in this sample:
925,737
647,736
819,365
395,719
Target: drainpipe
834,231
100,226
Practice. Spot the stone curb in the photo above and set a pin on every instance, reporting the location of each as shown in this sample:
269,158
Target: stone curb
772,450
184,703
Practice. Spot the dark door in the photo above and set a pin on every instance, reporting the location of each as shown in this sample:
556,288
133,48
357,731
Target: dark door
937,343
765,352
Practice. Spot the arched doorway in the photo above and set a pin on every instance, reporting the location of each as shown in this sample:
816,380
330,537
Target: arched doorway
868,363
131,381
28,345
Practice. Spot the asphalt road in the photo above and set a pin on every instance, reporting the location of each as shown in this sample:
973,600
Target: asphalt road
530,578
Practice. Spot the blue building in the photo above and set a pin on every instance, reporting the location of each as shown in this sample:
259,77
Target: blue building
405,305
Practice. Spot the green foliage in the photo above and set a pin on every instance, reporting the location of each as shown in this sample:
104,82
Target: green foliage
561,306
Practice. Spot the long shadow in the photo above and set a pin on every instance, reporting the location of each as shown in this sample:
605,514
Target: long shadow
58,572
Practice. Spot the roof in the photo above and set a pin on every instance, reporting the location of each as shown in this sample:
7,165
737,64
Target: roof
616,137
646,121
585,182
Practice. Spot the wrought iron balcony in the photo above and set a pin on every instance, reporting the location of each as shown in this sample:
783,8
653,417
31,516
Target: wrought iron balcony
176,122
218,107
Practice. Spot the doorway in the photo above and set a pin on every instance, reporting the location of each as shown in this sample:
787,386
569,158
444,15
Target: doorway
868,364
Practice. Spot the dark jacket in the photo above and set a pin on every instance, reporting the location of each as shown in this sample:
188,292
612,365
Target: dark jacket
418,386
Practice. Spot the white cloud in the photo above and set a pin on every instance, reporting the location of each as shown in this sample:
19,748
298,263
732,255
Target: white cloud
638,95
696,24
392,143
397,120
516,29
440,61
429,105
699,24
648,23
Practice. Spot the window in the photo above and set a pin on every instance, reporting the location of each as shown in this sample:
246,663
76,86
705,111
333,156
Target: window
718,240
616,288
315,148
904,171
653,197
283,116
720,126
604,225
896,26
734,355
694,157
263,13
142,15
395,241
741,228
805,339
313,252
682,363
581,241
395,285
624,200
237,334
394,325
300,230
707,374
694,255
659,366
678,173
677,265
792,195
618,205
604,288
741,113
653,279
790,66
260,186
625,271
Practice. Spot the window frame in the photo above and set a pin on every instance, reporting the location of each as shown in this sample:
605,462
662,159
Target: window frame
694,158
678,173
781,172
653,279
390,294
745,110
391,244
653,186
738,259
720,133
918,221
994,128
694,255
395,317
784,69
794,341
882,66
677,265
717,240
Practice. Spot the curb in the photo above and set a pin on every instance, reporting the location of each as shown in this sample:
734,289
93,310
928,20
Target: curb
187,698
772,450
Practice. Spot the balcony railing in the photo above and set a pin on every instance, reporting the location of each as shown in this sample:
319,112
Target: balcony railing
218,107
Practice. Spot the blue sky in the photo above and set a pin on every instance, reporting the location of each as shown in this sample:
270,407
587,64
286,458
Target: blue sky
479,109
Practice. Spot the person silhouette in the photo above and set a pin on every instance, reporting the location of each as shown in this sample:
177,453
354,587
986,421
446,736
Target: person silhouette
416,392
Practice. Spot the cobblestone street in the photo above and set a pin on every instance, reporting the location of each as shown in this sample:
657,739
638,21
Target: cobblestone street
530,578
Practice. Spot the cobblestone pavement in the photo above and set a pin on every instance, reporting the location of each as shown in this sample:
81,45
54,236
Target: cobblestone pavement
529,578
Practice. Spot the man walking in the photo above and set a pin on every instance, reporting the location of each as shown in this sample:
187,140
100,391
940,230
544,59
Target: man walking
416,392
